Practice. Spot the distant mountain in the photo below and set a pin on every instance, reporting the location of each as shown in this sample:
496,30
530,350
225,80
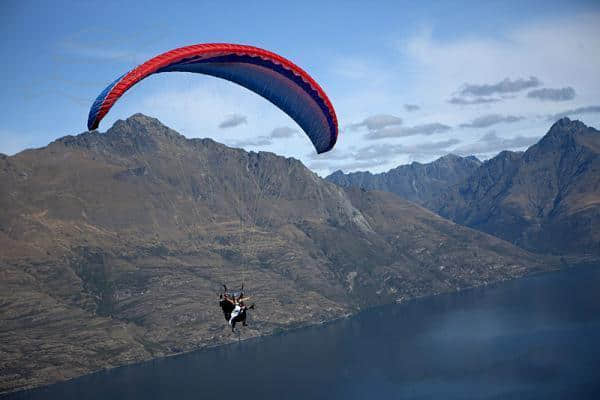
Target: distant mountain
546,199
113,246
419,183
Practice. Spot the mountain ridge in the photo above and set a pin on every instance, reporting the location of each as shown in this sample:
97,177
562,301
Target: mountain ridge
416,182
547,199
531,198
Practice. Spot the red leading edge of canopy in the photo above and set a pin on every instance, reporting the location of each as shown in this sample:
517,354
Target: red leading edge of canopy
212,49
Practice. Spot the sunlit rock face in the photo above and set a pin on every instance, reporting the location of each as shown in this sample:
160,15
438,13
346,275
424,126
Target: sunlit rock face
546,199
419,183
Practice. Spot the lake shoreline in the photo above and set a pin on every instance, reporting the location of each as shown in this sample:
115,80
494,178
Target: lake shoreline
286,331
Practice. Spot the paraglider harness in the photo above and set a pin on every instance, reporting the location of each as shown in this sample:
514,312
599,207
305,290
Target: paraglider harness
232,305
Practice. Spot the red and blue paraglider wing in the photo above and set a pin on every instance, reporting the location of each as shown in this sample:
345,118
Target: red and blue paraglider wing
271,76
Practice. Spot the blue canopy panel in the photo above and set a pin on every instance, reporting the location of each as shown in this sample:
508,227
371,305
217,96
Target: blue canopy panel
280,86
99,101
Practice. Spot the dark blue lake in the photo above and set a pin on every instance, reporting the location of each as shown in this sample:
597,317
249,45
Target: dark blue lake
536,337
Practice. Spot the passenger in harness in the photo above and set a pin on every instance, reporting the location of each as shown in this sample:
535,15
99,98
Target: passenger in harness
234,309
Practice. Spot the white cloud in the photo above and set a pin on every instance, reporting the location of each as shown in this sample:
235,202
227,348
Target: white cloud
377,122
491,119
550,94
505,86
491,144
461,101
233,120
404,131
380,156
559,51
574,112
254,142
283,132
497,69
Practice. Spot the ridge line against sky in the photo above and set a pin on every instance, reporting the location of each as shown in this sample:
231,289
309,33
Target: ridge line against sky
409,82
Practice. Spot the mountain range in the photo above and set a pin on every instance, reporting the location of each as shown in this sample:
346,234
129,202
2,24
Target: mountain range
419,183
546,199
113,247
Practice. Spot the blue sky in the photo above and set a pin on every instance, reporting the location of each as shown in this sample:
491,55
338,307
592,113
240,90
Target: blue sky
409,80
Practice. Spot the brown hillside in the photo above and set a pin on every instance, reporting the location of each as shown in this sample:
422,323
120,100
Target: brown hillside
113,246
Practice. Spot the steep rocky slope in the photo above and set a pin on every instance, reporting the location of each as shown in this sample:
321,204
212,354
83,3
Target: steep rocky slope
546,199
419,183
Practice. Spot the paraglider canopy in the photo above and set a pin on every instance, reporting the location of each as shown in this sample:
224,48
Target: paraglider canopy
271,76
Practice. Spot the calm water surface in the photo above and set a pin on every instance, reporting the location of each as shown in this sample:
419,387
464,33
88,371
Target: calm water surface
532,338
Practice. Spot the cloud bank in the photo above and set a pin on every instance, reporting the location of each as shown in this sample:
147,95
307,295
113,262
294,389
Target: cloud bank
404,131
377,122
491,119
467,102
492,143
574,111
548,94
377,155
506,86
283,132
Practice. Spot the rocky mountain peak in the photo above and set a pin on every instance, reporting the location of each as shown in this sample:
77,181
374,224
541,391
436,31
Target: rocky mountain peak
565,125
507,155
138,133
140,124
336,174
545,199
563,130
449,157
451,160
566,136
